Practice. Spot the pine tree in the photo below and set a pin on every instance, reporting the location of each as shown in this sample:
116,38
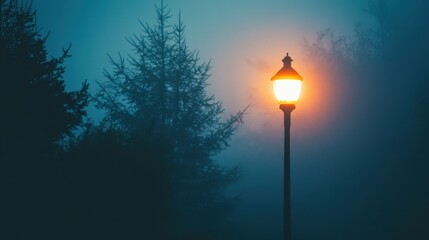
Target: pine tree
36,112
108,187
35,108
159,92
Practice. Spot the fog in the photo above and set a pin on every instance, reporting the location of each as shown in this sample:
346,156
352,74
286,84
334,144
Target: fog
358,134
358,140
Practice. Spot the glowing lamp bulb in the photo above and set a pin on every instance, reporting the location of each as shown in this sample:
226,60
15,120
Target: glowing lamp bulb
287,91
287,83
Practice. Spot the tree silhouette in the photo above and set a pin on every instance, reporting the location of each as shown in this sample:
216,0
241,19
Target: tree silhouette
380,73
160,93
114,186
35,108
35,114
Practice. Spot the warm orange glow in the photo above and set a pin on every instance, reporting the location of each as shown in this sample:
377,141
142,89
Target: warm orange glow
321,85
287,91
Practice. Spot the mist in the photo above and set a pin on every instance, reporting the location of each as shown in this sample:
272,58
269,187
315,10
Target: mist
358,134
362,174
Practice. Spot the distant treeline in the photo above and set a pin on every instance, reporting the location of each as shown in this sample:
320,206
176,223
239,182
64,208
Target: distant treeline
378,82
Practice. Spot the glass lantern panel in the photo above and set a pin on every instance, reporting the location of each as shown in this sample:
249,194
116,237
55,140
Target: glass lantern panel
287,91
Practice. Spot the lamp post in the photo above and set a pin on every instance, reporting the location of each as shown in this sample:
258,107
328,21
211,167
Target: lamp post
287,88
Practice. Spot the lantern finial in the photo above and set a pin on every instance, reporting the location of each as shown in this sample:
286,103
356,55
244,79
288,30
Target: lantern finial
287,61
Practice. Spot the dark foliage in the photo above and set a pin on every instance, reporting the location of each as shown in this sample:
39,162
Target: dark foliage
160,93
114,187
35,108
35,114
145,172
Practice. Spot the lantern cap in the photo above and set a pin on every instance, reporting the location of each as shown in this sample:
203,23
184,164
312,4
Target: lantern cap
287,72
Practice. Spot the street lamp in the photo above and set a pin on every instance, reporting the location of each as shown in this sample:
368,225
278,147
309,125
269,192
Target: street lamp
287,88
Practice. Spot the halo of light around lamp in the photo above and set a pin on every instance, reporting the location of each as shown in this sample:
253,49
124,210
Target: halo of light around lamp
287,83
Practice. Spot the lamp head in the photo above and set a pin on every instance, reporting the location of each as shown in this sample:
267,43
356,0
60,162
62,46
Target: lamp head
287,83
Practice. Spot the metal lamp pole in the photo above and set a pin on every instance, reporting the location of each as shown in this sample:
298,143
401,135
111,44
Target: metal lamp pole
287,110
287,88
